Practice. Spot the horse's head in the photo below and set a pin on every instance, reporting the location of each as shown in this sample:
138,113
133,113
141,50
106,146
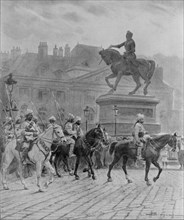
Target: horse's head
173,141
57,132
99,133
109,55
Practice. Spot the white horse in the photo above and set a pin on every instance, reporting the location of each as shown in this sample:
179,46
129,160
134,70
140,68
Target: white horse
39,155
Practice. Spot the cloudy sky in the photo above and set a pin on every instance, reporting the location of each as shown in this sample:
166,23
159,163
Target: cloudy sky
157,25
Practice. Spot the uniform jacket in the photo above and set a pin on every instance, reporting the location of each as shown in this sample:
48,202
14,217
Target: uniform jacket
138,131
29,129
68,130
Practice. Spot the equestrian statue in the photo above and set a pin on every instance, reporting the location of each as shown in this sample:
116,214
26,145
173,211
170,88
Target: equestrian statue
127,64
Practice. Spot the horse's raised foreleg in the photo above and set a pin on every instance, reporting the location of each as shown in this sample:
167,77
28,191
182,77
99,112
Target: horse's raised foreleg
115,160
148,163
76,167
125,159
111,76
159,170
136,78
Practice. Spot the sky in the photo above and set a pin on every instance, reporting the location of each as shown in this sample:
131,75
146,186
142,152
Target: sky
157,26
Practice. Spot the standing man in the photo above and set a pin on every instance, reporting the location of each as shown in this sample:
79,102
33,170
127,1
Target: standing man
70,133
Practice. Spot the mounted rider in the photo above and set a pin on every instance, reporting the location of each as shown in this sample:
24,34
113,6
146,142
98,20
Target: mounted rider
70,133
35,119
129,45
77,127
139,134
52,122
30,133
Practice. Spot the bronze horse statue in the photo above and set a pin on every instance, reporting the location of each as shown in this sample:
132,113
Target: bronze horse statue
120,67
150,153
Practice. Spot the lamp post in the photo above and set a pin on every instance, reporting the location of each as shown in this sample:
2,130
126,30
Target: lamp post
115,108
10,82
86,114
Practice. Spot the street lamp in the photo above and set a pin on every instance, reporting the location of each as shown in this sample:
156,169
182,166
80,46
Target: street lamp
10,82
86,114
115,108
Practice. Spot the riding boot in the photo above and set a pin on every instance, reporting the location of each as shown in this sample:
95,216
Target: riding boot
71,154
139,154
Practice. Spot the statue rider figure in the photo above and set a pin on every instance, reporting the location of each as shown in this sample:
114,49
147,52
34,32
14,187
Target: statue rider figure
129,45
140,135
70,133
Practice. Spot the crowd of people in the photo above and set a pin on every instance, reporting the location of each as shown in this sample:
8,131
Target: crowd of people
26,129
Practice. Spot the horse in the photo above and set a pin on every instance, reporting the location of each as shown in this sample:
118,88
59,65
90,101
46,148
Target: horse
39,154
85,146
61,152
150,153
119,67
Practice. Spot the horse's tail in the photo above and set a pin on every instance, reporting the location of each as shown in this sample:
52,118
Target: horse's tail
151,69
112,147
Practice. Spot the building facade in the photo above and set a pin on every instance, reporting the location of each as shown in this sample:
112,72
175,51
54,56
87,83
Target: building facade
75,80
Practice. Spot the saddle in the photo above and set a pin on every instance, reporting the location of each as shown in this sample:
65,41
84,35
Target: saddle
20,145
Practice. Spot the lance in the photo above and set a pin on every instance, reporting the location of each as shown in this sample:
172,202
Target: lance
57,104
44,126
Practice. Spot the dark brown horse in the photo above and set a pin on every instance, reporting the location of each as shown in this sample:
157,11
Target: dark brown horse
150,153
120,67
84,147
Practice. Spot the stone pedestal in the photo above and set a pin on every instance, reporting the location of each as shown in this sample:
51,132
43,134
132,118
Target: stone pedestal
128,108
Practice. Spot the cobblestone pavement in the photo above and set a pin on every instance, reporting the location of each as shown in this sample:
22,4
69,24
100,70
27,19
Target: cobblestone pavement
67,198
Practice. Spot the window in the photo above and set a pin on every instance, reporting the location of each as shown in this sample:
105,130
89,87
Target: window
23,92
60,97
43,95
